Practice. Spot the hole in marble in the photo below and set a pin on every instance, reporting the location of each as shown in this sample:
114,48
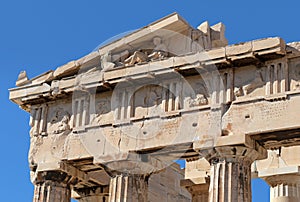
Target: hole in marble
225,132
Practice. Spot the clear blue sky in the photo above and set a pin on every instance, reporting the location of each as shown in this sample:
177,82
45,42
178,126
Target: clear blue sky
38,35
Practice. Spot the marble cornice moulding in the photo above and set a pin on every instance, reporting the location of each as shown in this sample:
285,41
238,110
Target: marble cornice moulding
40,86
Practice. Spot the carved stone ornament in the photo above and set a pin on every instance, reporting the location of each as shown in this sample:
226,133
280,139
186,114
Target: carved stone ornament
257,82
197,41
200,100
102,107
64,124
106,62
153,98
160,51
61,118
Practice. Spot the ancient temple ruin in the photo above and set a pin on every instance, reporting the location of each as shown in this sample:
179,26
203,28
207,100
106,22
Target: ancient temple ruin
109,126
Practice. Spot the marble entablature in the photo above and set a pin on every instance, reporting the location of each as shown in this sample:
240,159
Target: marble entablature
164,92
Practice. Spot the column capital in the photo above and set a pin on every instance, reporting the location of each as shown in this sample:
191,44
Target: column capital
52,186
285,187
131,163
230,175
232,154
287,179
281,171
51,176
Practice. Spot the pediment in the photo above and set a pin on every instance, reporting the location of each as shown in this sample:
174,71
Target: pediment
165,28
177,38
167,37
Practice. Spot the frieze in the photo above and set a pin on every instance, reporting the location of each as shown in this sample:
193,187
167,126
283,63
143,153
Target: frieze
59,121
257,82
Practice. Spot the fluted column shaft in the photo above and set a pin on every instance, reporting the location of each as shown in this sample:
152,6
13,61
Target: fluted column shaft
128,188
284,188
230,176
230,180
52,187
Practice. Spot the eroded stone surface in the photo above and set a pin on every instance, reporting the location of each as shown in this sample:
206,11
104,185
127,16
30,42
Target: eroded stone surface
164,92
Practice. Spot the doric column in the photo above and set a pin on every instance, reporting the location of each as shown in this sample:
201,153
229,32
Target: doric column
93,194
128,187
52,186
129,174
284,188
230,176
